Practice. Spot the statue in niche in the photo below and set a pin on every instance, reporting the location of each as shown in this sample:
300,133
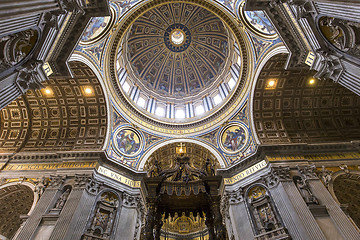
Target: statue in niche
305,190
341,34
16,47
101,224
62,200
267,218
262,211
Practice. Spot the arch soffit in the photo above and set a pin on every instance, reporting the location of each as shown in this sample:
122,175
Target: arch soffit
272,52
81,58
146,156
336,175
28,184
40,122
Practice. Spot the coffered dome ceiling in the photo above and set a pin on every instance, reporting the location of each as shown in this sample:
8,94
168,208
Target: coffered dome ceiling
177,51
178,64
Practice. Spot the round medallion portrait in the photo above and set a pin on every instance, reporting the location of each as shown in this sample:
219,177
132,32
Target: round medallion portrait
127,141
233,138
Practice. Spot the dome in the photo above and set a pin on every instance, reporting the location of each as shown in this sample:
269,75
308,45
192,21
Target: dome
178,59
177,51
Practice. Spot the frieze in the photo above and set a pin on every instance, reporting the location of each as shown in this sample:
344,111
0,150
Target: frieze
247,172
118,177
49,166
314,157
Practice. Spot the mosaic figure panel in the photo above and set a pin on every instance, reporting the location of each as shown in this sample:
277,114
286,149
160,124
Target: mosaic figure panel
233,138
259,22
95,28
127,141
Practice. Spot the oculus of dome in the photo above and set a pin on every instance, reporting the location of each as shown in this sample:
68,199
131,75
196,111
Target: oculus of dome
177,38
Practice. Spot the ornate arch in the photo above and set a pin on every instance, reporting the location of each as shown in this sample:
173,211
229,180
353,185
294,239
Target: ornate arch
211,149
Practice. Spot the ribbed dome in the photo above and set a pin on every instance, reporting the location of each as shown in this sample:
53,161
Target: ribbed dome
177,51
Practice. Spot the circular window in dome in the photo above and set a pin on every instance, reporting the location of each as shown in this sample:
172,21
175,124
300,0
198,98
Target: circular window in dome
177,37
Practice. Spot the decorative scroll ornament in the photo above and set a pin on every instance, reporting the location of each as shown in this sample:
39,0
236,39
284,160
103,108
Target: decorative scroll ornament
29,77
331,67
73,5
276,175
93,186
325,176
129,200
81,180
302,183
140,220
303,8
308,172
236,196
57,181
40,185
